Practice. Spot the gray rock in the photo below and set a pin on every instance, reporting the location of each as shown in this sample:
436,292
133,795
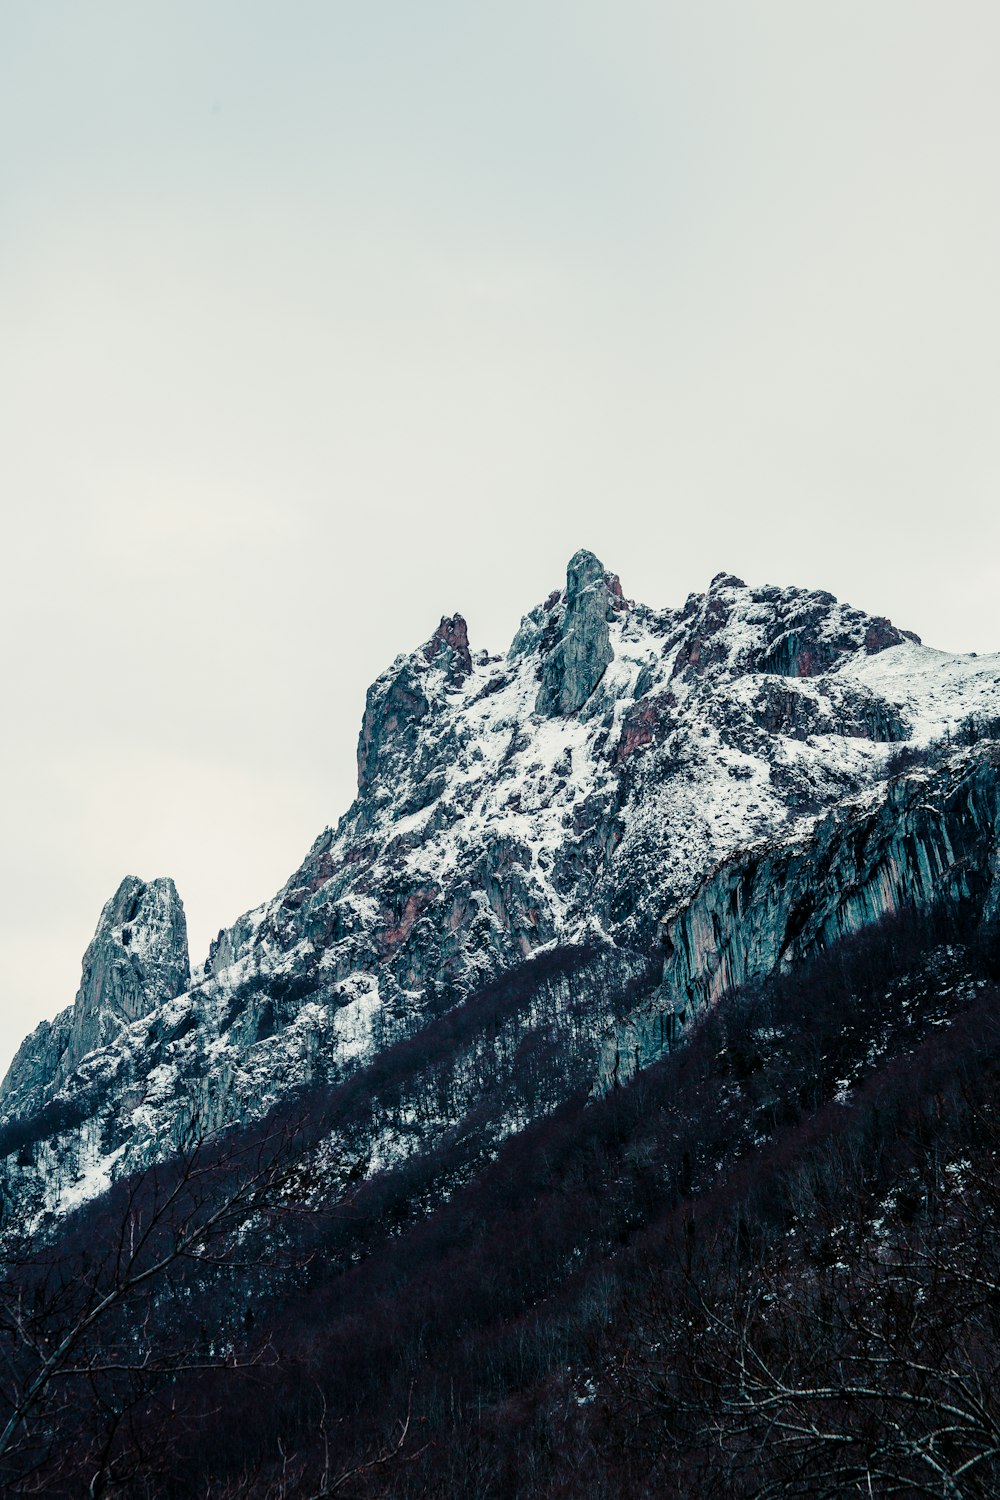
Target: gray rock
448,648
138,958
572,670
394,708
784,632
931,840
30,1077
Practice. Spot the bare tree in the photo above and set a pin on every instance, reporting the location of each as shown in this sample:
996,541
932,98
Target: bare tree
93,1324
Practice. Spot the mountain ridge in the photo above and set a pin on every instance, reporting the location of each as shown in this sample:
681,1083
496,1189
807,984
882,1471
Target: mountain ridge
572,791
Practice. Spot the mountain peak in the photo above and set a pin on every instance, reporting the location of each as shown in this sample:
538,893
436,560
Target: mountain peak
725,581
448,648
583,569
582,653
137,959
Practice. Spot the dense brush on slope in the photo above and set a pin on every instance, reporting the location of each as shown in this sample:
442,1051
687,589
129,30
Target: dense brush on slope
576,1320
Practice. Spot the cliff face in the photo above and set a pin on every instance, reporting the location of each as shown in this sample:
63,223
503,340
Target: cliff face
569,792
137,960
928,839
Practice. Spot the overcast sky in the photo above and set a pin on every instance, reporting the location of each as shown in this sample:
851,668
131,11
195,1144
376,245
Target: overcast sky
318,320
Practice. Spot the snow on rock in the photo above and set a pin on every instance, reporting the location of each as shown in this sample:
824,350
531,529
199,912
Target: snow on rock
137,961
570,791
920,840
937,691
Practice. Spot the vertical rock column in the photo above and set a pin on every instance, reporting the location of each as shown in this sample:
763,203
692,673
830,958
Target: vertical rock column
578,661
138,959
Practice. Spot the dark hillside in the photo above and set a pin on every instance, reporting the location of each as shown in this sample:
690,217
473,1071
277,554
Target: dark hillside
636,1292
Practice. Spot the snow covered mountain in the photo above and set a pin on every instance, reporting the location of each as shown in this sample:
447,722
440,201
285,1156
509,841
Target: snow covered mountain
743,766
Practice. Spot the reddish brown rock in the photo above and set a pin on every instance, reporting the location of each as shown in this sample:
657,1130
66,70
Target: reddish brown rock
616,598
395,932
644,724
882,634
449,647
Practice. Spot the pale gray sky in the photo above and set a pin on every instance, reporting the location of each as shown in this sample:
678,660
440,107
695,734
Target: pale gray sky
320,319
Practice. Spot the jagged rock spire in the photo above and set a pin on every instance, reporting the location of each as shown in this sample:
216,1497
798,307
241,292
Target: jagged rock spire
448,648
398,701
577,663
138,958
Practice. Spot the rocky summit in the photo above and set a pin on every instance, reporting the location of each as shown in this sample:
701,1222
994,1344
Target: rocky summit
681,799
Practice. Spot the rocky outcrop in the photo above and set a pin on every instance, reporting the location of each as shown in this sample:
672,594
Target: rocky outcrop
138,958
647,722
136,961
390,726
33,1074
392,742
783,632
448,648
932,838
796,711
576,664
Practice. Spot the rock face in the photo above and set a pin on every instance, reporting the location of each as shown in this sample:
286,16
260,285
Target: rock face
566,794
389,728
137,960
576,664
449,648
784,632
931,838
